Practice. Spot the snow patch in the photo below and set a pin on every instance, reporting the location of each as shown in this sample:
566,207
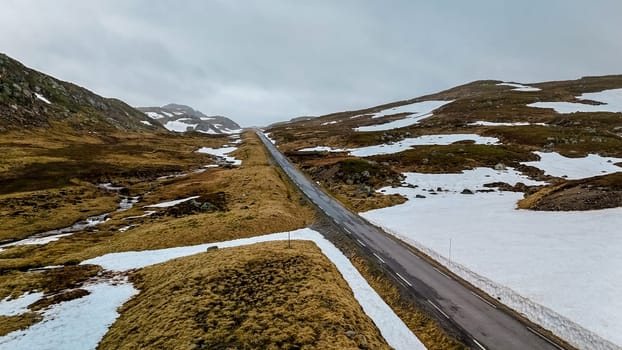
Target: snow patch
330,122
127,203
147,213
555,164
18,305
208,131
154,115
179,126
170,203
612,100
418,111
267,135
322,149
110,187
485,123
76,324
42,98
146,122
231,131
221,153
520,87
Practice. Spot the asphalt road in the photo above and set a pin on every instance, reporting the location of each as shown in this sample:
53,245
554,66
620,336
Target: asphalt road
486,325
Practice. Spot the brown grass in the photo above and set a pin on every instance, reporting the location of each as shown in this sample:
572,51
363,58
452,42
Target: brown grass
10,324
260,201
25,213
48,177
15,283
532,200
263,296
597,192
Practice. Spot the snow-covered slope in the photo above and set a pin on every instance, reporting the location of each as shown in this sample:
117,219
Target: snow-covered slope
180,118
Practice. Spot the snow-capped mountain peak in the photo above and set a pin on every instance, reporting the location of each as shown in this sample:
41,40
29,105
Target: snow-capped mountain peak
181,118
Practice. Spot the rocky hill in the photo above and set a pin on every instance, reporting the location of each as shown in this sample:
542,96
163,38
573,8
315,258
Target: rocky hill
481,124
30,99
180,118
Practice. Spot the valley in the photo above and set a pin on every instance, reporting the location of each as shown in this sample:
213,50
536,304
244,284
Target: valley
483,216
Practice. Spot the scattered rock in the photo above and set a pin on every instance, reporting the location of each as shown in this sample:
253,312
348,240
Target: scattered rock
500,167
466,191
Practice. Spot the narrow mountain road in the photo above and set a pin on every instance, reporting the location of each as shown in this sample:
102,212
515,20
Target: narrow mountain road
485,325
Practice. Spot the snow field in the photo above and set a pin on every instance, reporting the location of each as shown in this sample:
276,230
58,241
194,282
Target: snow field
559,269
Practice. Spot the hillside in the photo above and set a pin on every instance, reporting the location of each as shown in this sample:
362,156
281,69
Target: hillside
514,188
180,118
521,117
105,178
30,99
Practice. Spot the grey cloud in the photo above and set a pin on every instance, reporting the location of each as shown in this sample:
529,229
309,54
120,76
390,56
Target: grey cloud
263,61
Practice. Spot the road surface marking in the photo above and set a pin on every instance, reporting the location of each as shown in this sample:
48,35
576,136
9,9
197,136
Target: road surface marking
478,344
379,258
438,308
348,231
543,337
361,243
441,272
403,279
484,300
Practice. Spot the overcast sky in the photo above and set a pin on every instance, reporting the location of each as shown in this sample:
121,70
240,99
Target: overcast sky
263,61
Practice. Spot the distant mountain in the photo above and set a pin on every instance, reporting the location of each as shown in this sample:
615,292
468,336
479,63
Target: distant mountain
30,99
180,118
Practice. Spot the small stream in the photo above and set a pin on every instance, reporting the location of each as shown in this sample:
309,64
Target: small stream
126,203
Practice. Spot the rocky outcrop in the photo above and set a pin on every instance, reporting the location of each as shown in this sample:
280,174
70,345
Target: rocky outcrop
29,98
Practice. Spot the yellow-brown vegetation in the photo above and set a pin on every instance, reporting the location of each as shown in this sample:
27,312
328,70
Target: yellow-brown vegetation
9,324
263,296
